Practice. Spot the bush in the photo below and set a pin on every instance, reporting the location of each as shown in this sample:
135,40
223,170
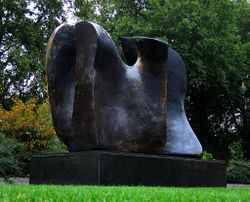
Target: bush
13,158
25,129
28,123
238,172
236,151
207,156
55,146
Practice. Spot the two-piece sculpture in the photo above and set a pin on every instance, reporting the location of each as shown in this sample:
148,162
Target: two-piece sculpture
121,122
99,102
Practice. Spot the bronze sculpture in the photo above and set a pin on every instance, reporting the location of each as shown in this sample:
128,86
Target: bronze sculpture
99,102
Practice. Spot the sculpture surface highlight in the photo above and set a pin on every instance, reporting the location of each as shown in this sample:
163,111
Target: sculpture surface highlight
181,140
99,102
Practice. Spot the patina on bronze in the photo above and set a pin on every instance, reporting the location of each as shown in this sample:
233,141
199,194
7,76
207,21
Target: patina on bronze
99,102
181,139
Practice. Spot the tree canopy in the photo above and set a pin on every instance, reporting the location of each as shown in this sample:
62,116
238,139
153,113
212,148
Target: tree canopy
25,27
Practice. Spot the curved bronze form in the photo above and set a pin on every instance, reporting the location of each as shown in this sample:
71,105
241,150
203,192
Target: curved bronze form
99,102
181,139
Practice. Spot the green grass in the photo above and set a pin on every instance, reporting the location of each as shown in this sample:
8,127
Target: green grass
101,193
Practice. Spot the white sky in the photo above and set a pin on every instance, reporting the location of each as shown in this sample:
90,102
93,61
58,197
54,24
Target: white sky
71,19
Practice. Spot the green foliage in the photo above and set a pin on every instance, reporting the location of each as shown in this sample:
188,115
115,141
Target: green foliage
238,172
116,193
13,158
236,152
213,39
25,27
207,156
55,146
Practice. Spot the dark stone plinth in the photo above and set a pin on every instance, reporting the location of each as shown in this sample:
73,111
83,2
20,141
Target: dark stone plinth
117,168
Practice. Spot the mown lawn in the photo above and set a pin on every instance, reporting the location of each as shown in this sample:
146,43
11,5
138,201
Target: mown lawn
123,193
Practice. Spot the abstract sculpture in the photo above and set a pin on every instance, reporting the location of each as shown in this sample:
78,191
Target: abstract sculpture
99,102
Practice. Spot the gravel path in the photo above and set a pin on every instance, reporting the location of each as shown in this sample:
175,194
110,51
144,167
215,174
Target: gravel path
14,180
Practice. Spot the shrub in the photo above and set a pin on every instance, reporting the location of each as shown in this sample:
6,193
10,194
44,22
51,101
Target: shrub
55,146
13,158
207,156
238,172
236,151
29,124
25,129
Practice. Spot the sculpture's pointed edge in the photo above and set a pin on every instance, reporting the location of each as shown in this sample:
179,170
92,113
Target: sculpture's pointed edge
60,78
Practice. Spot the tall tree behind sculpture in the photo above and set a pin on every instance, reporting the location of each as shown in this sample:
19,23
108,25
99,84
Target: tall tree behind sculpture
25,28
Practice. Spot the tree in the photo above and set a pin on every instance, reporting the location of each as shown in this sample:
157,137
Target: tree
25,27
243,23
213,39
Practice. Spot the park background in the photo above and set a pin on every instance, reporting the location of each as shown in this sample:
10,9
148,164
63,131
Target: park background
213,38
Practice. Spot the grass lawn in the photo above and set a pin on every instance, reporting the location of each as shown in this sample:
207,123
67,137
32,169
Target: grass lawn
123,193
